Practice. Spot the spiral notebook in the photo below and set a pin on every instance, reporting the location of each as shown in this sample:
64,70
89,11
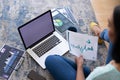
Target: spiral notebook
63,19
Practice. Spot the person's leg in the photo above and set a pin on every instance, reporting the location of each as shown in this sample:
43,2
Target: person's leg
59,68
86,69
109,55
103,34
71,63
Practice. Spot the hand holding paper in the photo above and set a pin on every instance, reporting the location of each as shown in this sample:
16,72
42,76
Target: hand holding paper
83,44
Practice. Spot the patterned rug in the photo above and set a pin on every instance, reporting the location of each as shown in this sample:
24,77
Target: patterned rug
14,13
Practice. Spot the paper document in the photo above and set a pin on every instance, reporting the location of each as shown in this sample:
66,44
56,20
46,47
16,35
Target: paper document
83,44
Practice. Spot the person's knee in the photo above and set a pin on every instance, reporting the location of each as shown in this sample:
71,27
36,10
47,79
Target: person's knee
50,60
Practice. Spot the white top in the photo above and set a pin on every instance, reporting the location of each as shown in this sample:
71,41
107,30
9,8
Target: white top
108,72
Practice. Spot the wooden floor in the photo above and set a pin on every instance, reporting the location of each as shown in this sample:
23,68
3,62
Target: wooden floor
103,9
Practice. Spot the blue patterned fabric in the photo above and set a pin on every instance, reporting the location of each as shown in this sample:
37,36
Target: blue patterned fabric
14,13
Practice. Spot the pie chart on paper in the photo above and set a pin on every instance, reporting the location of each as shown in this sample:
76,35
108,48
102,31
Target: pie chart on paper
58,22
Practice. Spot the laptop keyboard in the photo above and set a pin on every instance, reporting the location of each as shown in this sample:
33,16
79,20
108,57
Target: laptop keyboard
46,46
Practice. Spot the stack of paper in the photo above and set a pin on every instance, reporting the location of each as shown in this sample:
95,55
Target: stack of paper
63,19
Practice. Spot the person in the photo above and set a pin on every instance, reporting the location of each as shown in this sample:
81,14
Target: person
62,68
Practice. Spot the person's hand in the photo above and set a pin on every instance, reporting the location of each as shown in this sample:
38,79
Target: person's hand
79,61
96,28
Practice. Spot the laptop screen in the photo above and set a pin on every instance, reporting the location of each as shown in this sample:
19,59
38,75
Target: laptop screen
36,29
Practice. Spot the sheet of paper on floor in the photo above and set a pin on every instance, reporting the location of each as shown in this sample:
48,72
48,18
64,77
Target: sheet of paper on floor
83,44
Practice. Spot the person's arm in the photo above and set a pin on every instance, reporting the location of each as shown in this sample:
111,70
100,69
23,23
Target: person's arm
80,74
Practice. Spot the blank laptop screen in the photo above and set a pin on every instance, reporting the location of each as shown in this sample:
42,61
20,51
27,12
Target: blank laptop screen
37,29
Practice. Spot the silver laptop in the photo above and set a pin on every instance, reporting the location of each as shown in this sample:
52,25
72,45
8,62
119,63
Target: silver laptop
41,40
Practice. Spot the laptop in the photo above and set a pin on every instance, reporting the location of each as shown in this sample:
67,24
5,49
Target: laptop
41,40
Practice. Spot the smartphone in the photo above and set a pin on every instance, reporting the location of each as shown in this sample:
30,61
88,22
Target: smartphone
35,76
